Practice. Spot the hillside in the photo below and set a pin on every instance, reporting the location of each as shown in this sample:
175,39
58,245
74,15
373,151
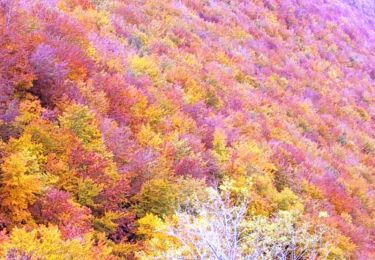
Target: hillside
135,128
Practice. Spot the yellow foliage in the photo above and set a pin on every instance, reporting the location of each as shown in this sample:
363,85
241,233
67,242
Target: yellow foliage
97,17
240,34
363,114
193,92
246,79
277,82
312,190
240,186
288,200
190,60
334,73
259,206
25,144
86,191
220,145
91,18
95,98
106,223
281,134
158,196
150,224
157,242
20,185
154,114
283,200
223,58
342,248
63,6
138,109
22,177
182,123
248,158
124,250
115,64
82,122
92,53
29,111
144,65
147,137
46,243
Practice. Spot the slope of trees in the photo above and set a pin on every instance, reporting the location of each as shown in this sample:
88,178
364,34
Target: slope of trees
186,129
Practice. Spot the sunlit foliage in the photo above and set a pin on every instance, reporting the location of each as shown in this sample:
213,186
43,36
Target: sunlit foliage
117,116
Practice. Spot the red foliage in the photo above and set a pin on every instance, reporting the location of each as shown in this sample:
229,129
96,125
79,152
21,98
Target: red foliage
58,208
89,165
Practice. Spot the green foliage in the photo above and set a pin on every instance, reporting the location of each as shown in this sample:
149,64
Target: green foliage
81,121
107,223
157,196
219,146
288,200
86,191
282,236
283,200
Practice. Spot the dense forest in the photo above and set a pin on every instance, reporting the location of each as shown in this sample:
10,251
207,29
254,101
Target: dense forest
187,129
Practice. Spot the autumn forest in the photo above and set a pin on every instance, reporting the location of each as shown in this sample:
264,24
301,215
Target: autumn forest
187,129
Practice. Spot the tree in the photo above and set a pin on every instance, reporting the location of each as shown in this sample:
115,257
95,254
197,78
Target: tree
91,165
284,237
58,208
157,196
144,66
22,178
156,242
47,243
217,228
50,72
82,122
20,186
148,137
210,229
30,110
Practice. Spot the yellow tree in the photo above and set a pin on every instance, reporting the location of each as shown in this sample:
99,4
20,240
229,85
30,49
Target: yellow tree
82,122
22,177
47,243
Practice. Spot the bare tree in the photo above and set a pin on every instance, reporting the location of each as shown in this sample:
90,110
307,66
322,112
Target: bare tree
217,229
211,229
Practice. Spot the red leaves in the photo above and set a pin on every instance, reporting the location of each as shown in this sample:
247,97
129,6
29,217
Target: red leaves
193,167
16,72
294,77
58,208
123,100
89,165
